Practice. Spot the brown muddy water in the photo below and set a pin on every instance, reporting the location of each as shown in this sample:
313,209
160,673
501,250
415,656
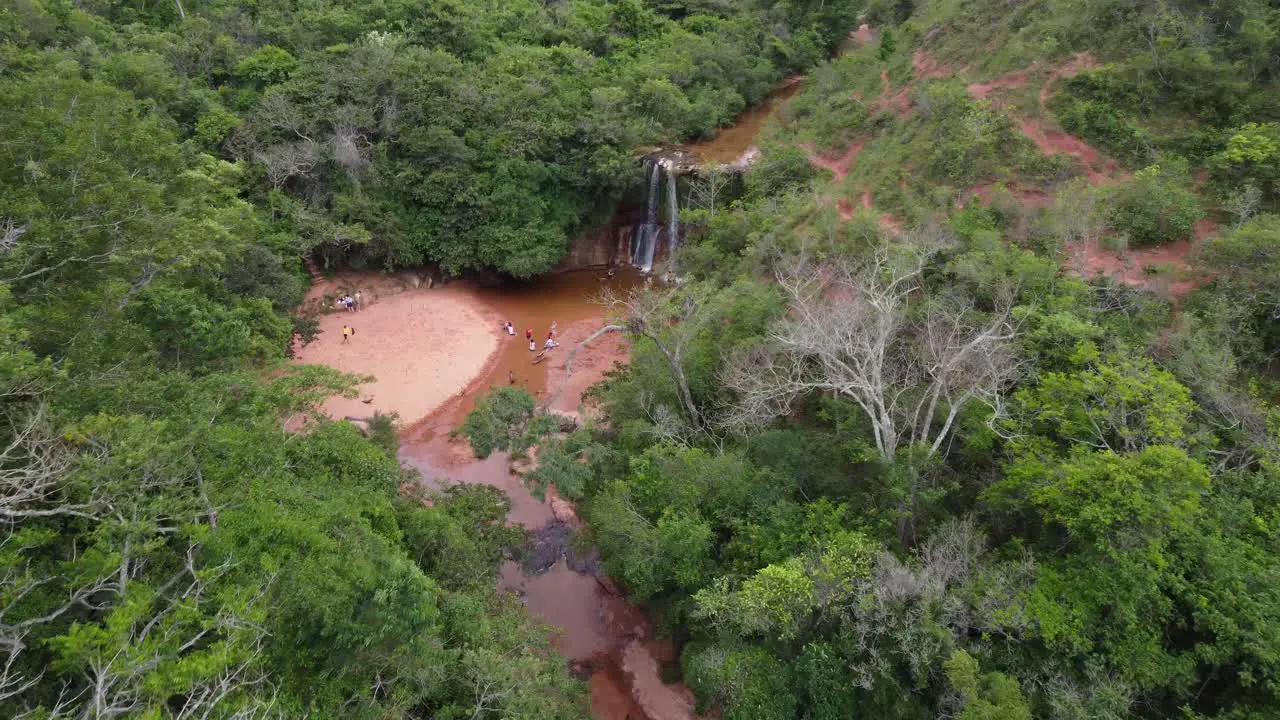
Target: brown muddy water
604,638
733,142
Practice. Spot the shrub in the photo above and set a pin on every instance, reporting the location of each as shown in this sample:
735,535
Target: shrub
1102,124
382,431
778,170
505,419
1153,209
1250,156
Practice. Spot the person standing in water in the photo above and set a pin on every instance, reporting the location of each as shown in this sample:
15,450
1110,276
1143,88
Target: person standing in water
532,345
528,334
553,332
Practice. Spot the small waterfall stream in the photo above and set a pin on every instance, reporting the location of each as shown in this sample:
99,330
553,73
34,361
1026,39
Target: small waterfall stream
673,212
647,235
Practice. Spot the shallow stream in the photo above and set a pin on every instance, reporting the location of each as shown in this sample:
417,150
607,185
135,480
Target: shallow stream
607,641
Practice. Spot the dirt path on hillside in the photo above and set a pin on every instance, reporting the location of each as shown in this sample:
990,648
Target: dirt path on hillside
839,167
1047,137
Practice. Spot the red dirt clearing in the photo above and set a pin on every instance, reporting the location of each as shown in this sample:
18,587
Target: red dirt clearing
836,166
927,66
1089,260
981,91
1052,141
844,208
1082,61
1029,197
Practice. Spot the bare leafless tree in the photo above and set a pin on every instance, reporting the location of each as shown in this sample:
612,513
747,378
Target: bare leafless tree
573,354
12,232
278,112
851,331
708,188
288,160
348,137
670,321
33,464
953,583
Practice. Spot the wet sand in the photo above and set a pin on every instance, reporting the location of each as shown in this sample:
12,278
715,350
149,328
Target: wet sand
423,347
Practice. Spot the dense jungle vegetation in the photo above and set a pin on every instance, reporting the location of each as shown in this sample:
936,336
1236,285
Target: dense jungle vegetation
168,549
925,464
857,471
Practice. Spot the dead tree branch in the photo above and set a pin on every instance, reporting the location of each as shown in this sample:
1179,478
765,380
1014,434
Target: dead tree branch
851,331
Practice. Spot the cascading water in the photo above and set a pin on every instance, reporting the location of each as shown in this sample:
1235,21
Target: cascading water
646,236
673,212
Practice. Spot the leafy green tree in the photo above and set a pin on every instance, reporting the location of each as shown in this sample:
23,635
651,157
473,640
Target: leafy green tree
1153,209
1251,155
1121,404
505,420
1243,261
888,46
748,681
985,696
267,65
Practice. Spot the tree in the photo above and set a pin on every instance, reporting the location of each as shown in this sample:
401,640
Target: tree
671,322
505,420
887,45
850,331
1123,404
1154,208
1245,262
984,696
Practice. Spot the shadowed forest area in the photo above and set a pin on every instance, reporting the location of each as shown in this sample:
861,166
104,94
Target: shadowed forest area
963,404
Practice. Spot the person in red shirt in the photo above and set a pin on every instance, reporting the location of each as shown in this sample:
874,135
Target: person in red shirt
528,334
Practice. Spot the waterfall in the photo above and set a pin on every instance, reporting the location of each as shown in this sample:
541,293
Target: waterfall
673,212
643,240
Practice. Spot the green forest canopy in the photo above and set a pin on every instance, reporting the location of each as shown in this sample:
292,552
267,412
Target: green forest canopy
168,549
938,471
855,472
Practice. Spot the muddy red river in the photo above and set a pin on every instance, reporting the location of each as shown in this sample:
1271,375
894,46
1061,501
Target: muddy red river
732,142
605,639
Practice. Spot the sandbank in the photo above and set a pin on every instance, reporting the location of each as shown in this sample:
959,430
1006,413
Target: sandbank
423,347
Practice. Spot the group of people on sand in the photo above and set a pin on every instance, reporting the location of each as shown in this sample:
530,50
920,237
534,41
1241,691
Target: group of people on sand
550,342
350,303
